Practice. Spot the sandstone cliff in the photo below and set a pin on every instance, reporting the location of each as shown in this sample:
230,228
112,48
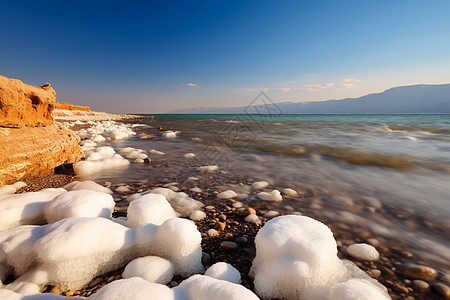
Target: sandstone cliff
69,106
25,105
31,143
29,152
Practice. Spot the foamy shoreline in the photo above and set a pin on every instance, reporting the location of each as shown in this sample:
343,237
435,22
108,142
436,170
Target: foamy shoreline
216,209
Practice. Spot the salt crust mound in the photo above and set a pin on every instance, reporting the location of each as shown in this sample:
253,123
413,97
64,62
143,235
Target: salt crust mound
180,202
199,287
87,185
224,271
296,258
71,252
150,208
356,289
133,288
363,252
151,268
80,203
228,194
107,129
99,161
25,209
275,195
208,169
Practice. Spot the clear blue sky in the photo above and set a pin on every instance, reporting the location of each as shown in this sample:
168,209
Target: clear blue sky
154,56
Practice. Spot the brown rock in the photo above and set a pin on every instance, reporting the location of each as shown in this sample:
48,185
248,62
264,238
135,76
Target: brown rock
220,226
55,290
421,285
229,245
442,289
249,211
25,105
414,271
29,152
400,288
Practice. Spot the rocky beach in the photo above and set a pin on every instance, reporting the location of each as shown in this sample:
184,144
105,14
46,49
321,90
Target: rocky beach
82,180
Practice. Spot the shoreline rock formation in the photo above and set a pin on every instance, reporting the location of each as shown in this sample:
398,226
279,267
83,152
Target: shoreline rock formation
25,105
31,143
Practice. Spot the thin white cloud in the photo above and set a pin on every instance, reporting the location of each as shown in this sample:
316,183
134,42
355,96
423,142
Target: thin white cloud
188,84
285,90
317,87
349,82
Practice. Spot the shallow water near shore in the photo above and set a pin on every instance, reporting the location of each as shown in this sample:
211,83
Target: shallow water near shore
387,176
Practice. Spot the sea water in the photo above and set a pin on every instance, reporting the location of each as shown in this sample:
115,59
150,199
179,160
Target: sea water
402,161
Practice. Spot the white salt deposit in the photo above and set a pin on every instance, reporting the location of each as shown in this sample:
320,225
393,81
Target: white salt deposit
79,203
151,268
363,252
189,155
7,189
211,168
150,208
252,218
181,202
227,194
153,151
275,195
138,161
196,190
19,184
357,288
260,185
133,288
87,185
224,271
169,134
237,205
86,168
296,258
126,150
197,215
71,252
24,209
290,192
242,196
200,287
271,214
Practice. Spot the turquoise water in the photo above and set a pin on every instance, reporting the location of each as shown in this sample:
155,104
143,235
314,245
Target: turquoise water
402,161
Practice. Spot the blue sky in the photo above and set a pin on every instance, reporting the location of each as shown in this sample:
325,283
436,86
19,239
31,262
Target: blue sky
155,56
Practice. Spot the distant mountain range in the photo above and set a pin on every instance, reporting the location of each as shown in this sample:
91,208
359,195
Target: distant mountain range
420,98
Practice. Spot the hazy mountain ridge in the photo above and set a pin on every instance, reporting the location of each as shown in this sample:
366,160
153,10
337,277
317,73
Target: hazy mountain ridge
419,98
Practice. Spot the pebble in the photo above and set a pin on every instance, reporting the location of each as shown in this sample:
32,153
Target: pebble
196,190
173,284
375,273
229,245
363,252
55,290
122,189
271,214
95,282
222,217
248,211
205,258
415,271
174,188
228,236
209,207
237,205
69,293
290,192
400,288
242,240
220,226
421,285
442,289
213,232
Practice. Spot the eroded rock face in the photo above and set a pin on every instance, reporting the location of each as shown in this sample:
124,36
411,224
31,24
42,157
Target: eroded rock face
70,106
34,151
25,105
